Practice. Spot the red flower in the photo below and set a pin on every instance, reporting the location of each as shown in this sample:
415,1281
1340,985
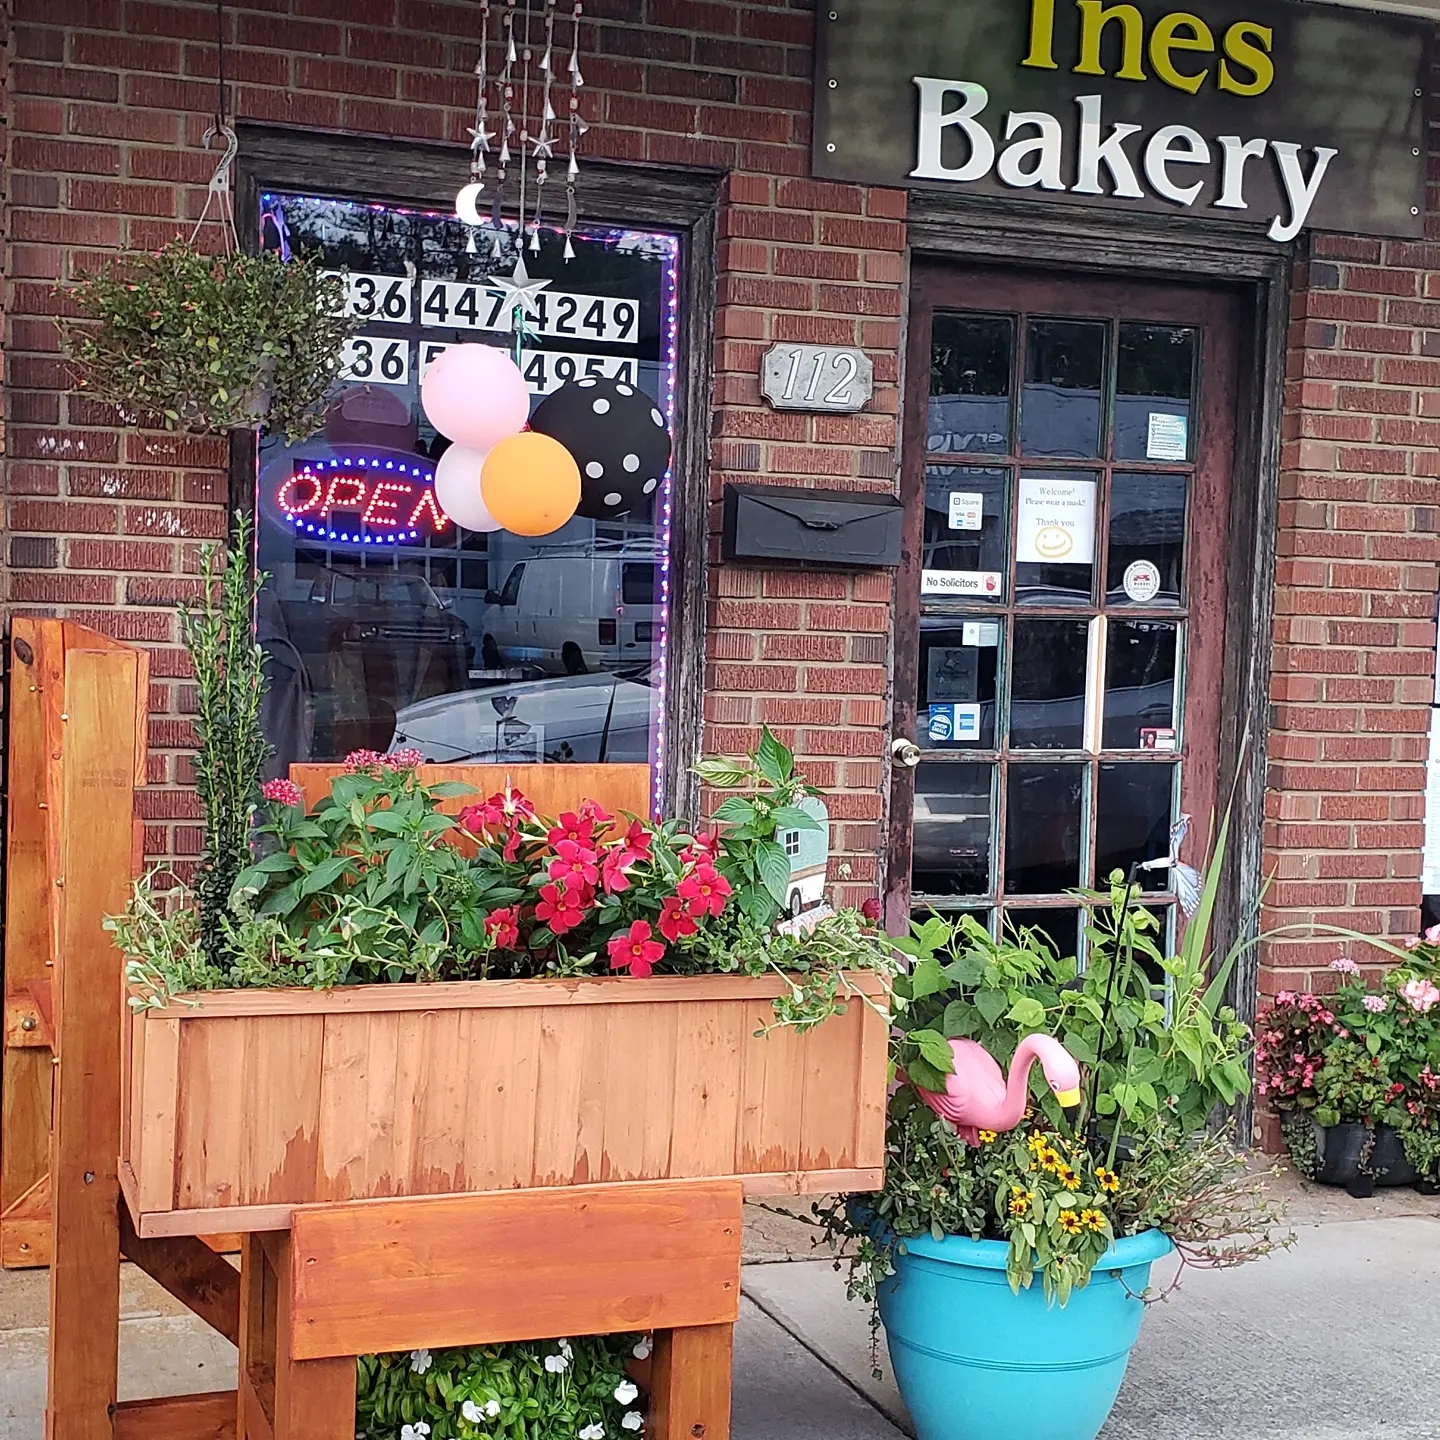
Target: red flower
675,922
704,892
617,861
639,839
503,927
635,951
871,910
703,849
574,859
562,907
571,827
283,792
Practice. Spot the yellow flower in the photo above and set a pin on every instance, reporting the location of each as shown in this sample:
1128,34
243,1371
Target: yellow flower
1020,1199
1109,1180
1070,1222
989,1137
1038,1144
1092,1219
1067,1176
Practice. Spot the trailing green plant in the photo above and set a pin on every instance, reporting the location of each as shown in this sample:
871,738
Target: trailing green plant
209,343
231,749
537,1390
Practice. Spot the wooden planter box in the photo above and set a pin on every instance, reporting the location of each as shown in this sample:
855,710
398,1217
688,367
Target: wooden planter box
240,1105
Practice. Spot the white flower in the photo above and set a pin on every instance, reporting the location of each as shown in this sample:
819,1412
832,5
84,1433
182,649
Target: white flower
557,1364
642,1348
593,1432
633,1421
626,1391
418,1431
420,1362
472,1412
565,1349
492,1409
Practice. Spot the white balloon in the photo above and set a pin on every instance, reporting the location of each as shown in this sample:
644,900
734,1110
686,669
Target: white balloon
466,206
457,488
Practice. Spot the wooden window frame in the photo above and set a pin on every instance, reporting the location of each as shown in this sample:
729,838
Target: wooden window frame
396,172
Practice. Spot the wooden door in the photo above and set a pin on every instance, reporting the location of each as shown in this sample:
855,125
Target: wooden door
1060,620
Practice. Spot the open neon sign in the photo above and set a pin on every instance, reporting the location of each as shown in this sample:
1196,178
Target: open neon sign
362,501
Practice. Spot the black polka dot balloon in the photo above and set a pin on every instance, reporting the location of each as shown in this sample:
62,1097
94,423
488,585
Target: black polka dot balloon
618,438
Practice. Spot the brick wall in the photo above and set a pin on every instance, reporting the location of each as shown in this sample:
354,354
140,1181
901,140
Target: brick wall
1354,646
110,100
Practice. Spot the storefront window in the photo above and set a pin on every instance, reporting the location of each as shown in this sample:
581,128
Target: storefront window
385,623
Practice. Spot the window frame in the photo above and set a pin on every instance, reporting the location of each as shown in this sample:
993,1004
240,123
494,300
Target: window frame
427,176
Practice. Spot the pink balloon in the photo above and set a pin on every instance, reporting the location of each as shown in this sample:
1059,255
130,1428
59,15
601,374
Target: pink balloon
475,395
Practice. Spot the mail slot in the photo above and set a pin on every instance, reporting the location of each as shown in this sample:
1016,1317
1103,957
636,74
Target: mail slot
831,529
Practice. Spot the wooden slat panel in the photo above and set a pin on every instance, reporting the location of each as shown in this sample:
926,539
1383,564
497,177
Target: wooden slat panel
558,1096
639,1096
772,1093
502,1064
97,789
550,788
211,1113
398,1274
873,1086
437,1161
157,1113
831,1096
709,1043
177,1417
280,1092
29,903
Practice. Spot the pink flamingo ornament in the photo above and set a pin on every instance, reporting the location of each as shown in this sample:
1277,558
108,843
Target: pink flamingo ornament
978,1097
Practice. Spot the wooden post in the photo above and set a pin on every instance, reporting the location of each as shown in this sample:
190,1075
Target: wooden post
96,757
690,1384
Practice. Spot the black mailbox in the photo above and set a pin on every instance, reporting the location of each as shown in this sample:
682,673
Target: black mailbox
835,529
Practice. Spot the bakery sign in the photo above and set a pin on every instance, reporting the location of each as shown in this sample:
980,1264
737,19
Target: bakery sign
1274,113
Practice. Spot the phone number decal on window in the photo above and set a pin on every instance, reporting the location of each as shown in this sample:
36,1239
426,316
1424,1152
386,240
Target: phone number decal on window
547,370
377,297
552,313
376,359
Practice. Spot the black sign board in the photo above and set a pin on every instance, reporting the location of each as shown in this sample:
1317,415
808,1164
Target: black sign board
1268,112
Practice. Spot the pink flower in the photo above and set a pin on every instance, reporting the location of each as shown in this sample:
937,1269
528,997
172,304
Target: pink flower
595,813
503,927
1376,1004
562,907
283,792
1421,994
359,760
1345,965
675,921
617,861
572,858
704,892
571,826
635,951
1285,997
639,839
403,759
1432,935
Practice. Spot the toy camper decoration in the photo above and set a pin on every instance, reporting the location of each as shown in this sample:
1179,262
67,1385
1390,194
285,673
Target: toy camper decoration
808,851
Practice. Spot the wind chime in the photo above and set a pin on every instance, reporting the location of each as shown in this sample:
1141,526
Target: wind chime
519,149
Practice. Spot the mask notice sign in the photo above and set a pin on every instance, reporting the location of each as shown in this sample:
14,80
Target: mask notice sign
1055,522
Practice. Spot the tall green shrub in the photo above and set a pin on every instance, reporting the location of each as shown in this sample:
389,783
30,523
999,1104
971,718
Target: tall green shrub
230,679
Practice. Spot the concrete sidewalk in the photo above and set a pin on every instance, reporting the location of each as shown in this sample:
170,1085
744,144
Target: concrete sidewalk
1332,1340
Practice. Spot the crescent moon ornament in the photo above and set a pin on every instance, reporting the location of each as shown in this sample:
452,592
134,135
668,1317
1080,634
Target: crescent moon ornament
465,204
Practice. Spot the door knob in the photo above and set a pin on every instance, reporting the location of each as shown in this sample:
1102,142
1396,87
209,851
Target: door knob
904,754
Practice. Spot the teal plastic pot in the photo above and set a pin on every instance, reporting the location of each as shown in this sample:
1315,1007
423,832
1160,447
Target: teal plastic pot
975,1361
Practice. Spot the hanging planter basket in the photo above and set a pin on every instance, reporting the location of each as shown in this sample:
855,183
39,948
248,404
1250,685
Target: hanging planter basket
209,343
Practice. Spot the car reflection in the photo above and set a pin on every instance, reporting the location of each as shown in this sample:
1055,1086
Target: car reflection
589,718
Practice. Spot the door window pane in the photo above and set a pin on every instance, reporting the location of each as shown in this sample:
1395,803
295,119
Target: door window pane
965,532
1155,372
1140,686
1043,828
959,664
1064,373
970,367
1133,807
1047,688
1055,516
1147,539
1060,929
951,853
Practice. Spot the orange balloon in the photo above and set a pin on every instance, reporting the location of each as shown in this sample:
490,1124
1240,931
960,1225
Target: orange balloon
530,483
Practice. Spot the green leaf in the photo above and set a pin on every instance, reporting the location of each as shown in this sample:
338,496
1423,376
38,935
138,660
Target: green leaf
927,978
723,774
326,873
992,1005
967,969
792,817
450,789
1027,1012
961,1019
735,811
774,867
934,1050
773,760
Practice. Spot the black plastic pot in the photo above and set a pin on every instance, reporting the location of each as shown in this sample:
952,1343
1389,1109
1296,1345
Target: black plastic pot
1341,1158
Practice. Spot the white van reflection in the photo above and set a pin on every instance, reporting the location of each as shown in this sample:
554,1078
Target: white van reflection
587,719
574,608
